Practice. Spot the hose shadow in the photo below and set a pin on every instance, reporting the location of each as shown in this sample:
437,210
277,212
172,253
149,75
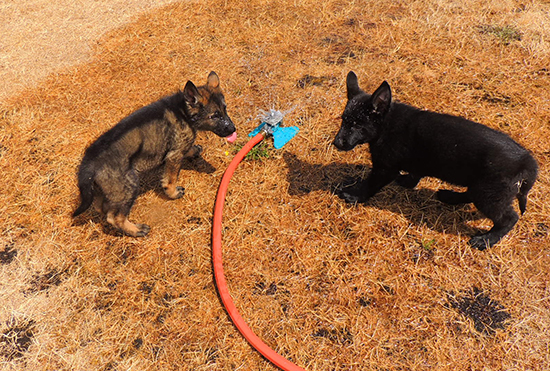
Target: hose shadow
420,206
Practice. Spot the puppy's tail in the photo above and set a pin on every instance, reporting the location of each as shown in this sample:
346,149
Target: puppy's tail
85,184
526,181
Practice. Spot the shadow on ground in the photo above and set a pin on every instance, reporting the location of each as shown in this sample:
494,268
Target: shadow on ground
419,206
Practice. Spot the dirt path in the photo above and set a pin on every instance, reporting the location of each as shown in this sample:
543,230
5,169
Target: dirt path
41,36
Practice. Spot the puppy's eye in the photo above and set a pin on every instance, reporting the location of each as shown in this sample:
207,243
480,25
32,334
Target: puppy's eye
215,116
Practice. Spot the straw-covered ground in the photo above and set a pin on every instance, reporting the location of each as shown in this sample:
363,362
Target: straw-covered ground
390,285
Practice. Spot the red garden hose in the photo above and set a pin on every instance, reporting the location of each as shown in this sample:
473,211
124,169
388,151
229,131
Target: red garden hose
221,283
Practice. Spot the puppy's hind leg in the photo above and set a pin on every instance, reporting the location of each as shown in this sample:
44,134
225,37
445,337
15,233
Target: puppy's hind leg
496,204
501,227
120,221
119,198
117,216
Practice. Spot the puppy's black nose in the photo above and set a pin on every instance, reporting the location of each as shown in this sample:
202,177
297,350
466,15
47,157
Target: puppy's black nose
338,143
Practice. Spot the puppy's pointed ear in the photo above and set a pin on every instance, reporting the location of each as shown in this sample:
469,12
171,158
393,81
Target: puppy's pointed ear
381,99
213,80
191,93
352,85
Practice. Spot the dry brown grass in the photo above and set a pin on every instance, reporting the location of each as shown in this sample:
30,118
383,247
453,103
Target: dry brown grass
391,285
38,35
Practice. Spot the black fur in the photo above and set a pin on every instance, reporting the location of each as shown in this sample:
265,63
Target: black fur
493,167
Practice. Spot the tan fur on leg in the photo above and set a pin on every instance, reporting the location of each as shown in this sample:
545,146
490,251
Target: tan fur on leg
122,223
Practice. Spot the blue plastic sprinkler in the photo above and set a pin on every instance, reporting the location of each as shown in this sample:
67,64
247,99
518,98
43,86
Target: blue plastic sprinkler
271,125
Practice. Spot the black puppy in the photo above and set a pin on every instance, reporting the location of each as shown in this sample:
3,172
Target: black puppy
421,143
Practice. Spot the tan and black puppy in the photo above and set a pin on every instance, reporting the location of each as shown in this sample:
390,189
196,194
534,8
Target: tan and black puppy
161,133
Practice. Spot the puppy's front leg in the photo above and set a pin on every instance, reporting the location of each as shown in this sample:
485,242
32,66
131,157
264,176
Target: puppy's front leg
362,191
172,168
194,152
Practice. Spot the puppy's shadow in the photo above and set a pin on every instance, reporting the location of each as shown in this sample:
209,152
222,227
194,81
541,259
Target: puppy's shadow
419,206
304,177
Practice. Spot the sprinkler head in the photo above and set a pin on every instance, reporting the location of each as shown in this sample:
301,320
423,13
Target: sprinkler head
271,126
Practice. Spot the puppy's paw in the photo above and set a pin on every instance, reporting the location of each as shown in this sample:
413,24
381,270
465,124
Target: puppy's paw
180,191
142,230
480,242
135,230
194,152
351,196
174,192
